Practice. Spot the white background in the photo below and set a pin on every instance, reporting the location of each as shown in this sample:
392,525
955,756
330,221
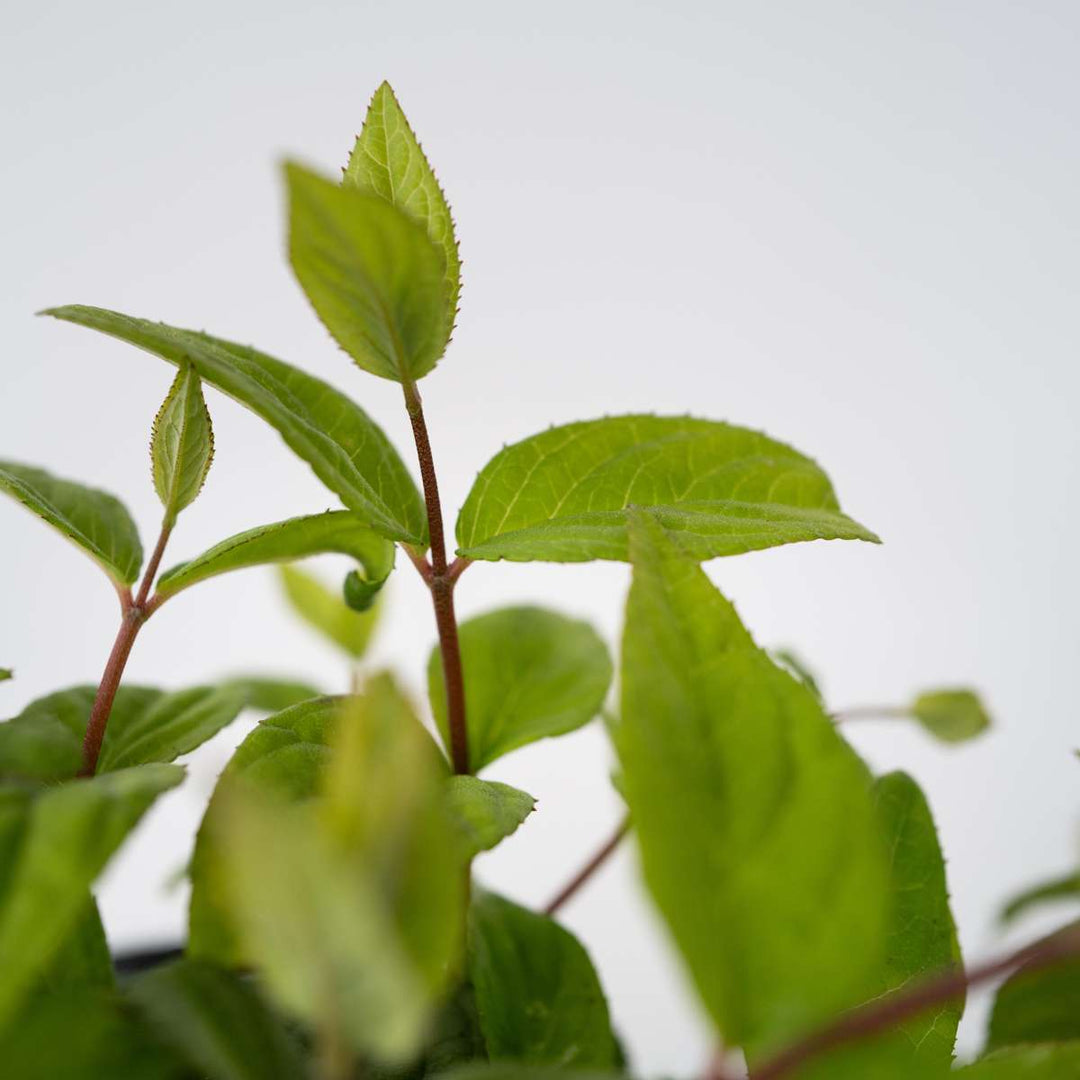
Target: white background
854,225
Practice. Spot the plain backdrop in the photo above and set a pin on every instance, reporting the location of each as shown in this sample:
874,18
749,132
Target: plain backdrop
853,225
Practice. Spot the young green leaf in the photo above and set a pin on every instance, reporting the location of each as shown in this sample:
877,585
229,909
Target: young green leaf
1038,1005
951,715
217,1021
182,444
372,275
1060,1061
327,612
1065,888
487,812
530,673
758,837
338,531
94,520
538,996
387,161
346,448
564,495
70,833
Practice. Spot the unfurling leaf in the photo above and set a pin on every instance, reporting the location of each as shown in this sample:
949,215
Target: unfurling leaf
387,161
537,994
340,531
69,834
346,448
564,495
951,715
326,611
529,674
758,836
487,812
182,445
1065,888
372,275
94,520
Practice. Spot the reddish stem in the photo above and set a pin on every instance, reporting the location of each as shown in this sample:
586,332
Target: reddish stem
590,868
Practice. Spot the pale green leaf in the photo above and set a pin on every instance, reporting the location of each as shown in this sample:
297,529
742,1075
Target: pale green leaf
758,836
951,715
339,531
182,444
273,695
1066,888
372,275
487,812
94,520
563,495
529,673
6,673
70,833
217,1021
326,611
538,996
387,161
794,664
1056,1061
346,448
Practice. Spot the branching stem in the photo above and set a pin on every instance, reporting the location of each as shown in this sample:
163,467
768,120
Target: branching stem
440,579
590,868
134,614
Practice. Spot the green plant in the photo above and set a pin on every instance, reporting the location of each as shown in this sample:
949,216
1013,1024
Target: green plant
335,930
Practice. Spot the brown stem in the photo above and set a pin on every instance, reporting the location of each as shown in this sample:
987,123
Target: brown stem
590,868
440,582
135,613
887,1012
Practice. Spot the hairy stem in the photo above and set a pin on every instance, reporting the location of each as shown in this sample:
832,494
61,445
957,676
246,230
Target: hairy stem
886,1012
135,613
590,868
440,581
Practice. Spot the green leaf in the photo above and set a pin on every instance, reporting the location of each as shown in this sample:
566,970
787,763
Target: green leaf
1059,1061
372,275
327,612
70,833
346,448
217,1021
273,695
95,520
338,531
758,837
283,756
529,673
794,664
951,715
6,673
387,161
1063,888
487,812
564,495
1038,1005
537,993
182,444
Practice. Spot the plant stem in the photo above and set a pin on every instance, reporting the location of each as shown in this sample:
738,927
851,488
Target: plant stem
440,582
135,613
871,712
590,868
886,1012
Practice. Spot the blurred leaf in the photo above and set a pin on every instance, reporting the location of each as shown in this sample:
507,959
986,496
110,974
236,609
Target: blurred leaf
327,612
509,1070
216,1021
182,444
529,674
273,695
1063,888
387,161
487,812
372,275
951,715
537,994
564,495
758,836
6,673
1059,1061
96,521
283,756
346,448
793,664
70,833
339,531
1038,1005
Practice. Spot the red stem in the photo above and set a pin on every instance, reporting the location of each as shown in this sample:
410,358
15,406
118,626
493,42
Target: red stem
590,868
